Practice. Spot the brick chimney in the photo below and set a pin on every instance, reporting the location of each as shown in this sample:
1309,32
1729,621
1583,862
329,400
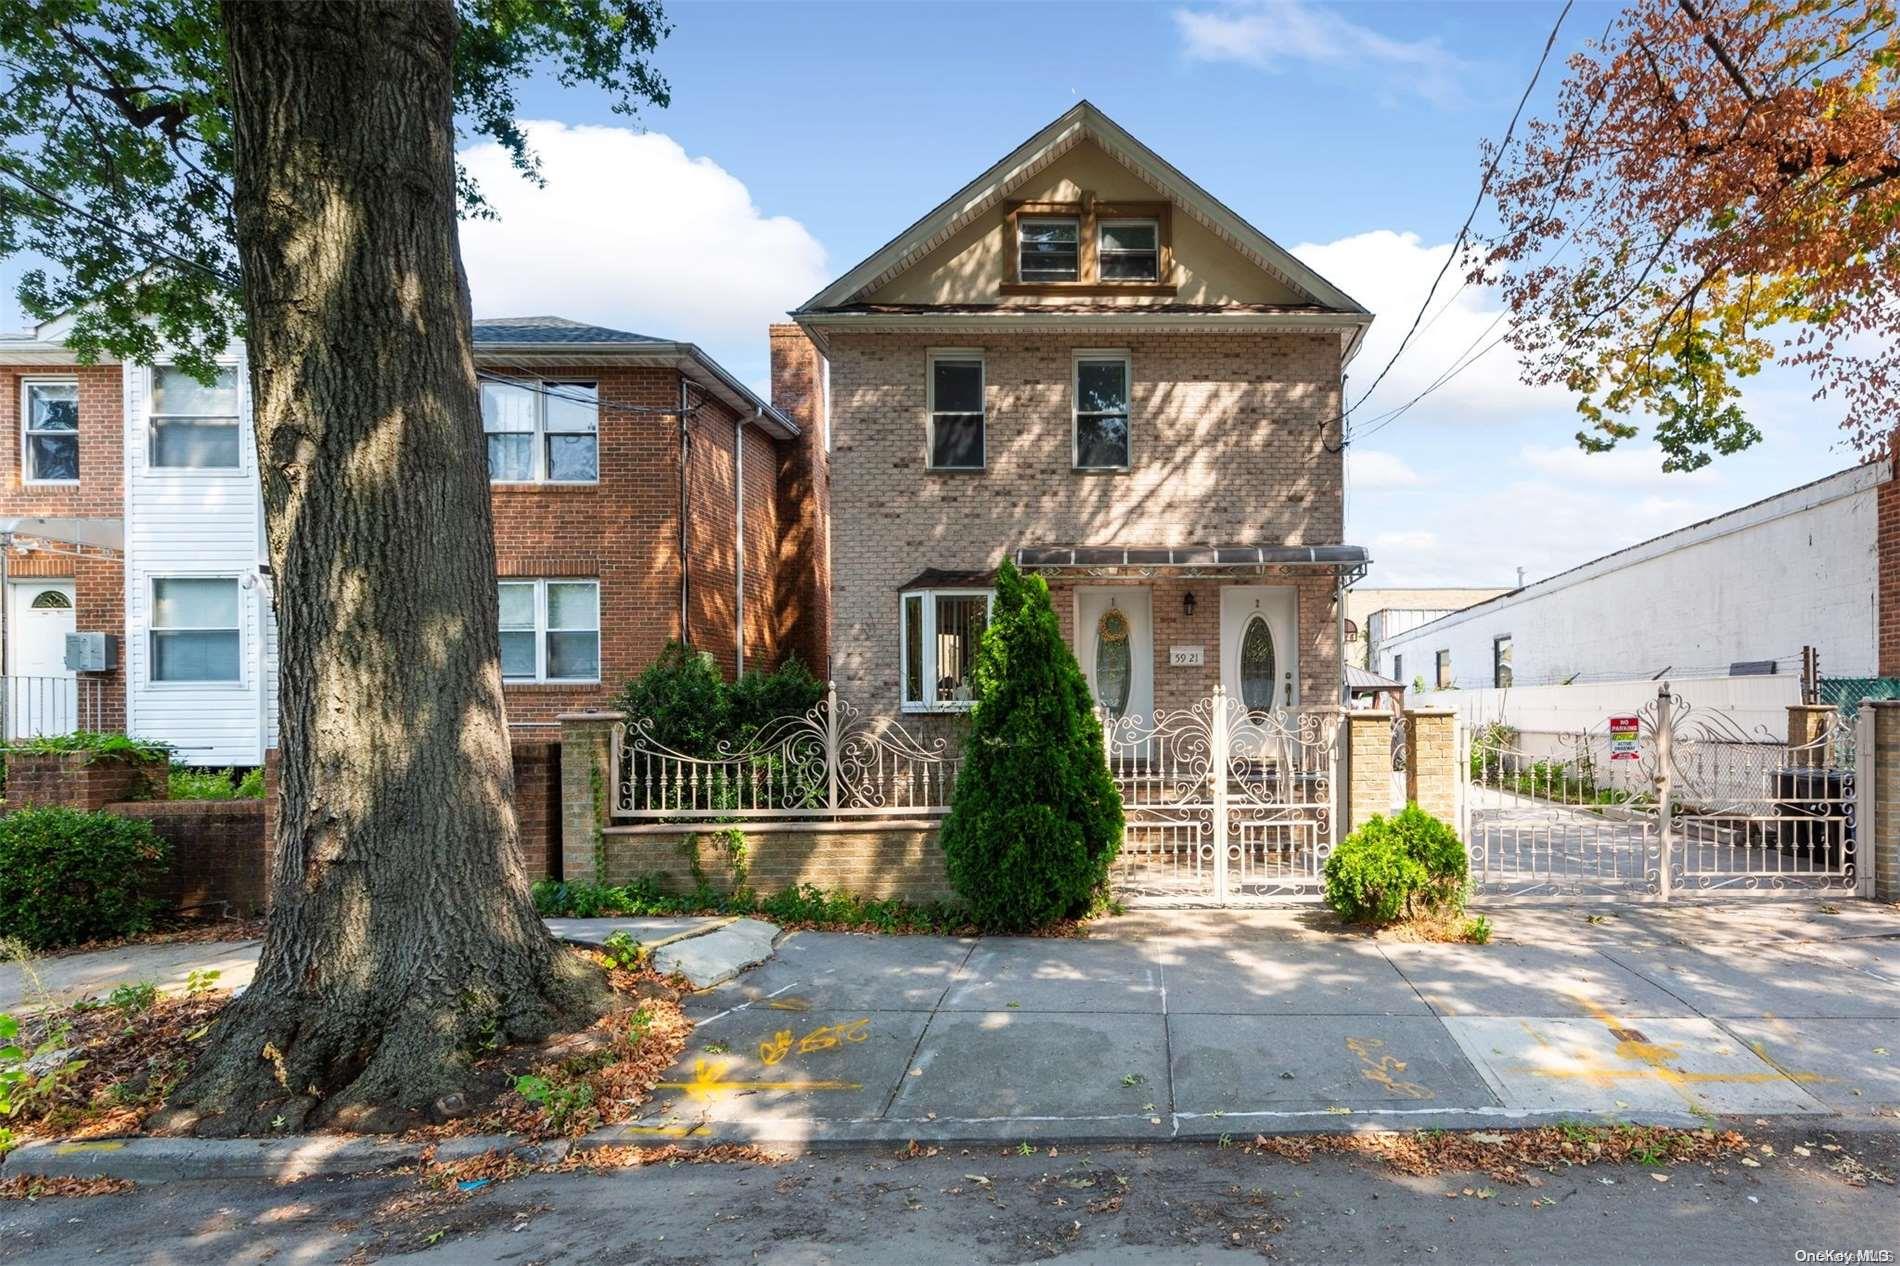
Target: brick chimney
804,501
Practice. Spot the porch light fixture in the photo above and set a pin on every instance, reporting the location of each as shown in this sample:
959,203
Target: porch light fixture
1187,603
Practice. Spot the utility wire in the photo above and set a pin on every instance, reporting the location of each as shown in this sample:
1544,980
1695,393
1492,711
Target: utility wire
1464,232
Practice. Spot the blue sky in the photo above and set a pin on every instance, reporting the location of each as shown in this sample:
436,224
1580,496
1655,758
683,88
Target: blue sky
803,136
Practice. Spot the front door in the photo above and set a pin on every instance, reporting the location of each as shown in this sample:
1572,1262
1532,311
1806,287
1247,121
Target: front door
1259,647
41,693
1114,639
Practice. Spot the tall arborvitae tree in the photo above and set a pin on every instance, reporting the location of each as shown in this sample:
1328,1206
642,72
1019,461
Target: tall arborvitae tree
287,172
1035,819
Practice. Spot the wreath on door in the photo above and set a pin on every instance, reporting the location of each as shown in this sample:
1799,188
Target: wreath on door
1113,627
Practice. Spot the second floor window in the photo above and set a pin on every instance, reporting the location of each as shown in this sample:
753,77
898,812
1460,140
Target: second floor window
1101,411
1049,250
1130,250
941,630
52,432
956,411
550,630
542,432
194,427
195,629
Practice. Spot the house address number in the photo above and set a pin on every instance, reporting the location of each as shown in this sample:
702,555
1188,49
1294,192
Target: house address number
1187,656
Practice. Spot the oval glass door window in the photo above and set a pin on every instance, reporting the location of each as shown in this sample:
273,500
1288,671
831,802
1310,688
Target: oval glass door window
1256,665
1114,662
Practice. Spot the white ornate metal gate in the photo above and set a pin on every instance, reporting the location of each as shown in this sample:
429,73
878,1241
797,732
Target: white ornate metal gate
1694,803
1223,806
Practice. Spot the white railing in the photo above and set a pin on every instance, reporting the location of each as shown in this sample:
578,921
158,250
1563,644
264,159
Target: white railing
36,707
828,764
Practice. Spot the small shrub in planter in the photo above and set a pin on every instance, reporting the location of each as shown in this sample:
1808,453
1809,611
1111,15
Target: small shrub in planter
1035,818
1402,867
67,876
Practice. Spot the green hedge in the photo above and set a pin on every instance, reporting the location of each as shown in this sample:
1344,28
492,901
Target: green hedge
67,876
1400,867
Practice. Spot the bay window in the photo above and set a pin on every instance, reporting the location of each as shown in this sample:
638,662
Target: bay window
542,431
550,630
941,630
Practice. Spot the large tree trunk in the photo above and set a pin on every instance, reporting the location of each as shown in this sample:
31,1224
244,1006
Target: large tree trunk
402,935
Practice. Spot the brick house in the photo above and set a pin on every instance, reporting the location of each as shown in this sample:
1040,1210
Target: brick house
129,505
1082,361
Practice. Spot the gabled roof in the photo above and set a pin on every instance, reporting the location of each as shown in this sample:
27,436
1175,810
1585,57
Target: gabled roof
1081,122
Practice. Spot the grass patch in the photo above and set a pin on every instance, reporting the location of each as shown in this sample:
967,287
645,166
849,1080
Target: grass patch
216,784
805,906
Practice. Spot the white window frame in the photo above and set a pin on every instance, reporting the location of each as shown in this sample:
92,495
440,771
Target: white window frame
152,418
27,433
928,641
1502,642
542,629
1023,222
1102,251
152,628
540,387
1075,404
1441,670
959,355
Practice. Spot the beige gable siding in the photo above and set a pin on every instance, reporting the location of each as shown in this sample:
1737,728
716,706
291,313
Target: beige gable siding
973,264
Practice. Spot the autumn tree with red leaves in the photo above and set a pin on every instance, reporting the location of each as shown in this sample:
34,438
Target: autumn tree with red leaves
1719,188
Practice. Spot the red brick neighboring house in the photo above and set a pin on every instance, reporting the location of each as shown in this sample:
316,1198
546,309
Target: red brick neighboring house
641,493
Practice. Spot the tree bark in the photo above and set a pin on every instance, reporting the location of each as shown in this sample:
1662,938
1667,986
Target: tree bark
402,936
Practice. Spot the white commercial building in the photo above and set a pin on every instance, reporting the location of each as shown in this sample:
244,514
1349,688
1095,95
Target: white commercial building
1723,608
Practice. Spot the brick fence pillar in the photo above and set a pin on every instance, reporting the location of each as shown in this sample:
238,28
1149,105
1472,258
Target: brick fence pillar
1878,822
1431,761
1368,766
586,788
1809,728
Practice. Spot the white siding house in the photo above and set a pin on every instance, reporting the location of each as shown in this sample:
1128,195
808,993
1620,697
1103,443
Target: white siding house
1751,587
199,631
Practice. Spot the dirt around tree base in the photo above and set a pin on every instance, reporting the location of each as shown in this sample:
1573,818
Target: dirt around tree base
119,1062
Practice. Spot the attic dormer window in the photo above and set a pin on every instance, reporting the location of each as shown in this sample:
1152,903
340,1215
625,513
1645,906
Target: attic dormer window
1130,250
1050,249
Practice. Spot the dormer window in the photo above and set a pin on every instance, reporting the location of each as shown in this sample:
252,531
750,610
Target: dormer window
1050,249
1130,250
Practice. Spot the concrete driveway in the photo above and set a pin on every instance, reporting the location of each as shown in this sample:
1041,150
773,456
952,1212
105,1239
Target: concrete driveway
1207,1023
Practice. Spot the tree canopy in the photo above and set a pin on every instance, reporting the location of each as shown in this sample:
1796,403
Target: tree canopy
116,149
1717,188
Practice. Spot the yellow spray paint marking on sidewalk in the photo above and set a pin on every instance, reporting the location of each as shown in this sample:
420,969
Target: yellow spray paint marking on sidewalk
825,1037
709,1080
1655,1061
1380,1073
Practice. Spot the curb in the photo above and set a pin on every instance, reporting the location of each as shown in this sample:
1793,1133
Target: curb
162,1160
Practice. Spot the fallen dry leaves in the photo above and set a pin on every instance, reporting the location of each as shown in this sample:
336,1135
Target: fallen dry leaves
33,1187
1506,1154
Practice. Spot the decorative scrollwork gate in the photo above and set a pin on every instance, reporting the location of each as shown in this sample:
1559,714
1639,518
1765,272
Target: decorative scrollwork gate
1223,805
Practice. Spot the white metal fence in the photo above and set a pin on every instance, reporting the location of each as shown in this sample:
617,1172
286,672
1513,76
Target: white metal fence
1692,802
35,707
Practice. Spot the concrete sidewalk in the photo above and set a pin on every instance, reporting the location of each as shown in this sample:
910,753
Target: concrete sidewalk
1184,1024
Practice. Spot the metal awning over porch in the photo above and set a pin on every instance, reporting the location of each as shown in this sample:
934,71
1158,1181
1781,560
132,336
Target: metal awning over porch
1349,561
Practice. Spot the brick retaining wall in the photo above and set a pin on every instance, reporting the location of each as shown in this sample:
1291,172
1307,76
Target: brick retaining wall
219,853
888,859
80,780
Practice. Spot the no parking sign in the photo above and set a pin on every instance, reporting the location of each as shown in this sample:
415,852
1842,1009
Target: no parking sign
1624,737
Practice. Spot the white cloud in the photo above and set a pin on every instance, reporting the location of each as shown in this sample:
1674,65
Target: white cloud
1270,33
1368,469
1391,273
1628,466
632,232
